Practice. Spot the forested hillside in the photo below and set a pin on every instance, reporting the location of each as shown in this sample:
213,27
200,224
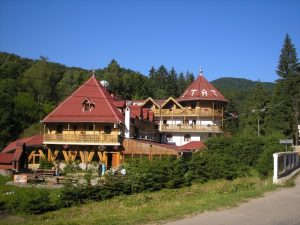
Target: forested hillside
29,89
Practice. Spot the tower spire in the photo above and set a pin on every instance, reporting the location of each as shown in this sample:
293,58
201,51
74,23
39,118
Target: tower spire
93,73
200,71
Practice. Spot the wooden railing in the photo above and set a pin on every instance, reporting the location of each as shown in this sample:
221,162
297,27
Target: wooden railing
81,138
189,112
191,127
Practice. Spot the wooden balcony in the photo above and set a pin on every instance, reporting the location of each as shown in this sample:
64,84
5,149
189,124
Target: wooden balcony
202,112
191,128
81,139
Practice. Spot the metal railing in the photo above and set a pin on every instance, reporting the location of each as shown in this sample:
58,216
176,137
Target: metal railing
81,138
188,112
285,163
190,127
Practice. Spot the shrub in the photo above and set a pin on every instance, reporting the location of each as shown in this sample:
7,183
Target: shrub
28,201
45,164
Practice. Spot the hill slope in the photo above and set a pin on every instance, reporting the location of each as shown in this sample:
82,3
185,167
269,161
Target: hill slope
238,84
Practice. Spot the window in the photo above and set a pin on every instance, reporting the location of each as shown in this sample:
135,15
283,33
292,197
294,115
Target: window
91,127
169,137
165,122
107,129
59,129
88,105
187,137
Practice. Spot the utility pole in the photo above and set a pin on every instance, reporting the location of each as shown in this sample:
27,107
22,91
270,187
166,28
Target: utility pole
258,128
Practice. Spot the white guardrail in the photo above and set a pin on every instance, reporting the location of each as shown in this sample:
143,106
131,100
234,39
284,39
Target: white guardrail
286,165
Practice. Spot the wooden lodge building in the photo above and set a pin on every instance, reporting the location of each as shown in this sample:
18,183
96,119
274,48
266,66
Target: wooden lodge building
91,126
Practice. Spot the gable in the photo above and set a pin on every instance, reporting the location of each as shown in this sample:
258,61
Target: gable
170,102
91,93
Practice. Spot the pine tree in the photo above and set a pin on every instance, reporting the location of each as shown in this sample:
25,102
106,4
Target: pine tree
171,84
287,92
253,115
181,84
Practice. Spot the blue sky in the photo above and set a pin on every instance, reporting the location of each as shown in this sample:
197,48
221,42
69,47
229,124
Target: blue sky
227,38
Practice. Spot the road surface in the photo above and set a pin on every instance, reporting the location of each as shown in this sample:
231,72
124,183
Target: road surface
281,207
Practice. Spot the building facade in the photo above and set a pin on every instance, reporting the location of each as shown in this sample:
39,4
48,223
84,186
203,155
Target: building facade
92,126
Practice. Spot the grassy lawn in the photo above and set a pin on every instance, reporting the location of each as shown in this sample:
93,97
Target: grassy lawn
154,207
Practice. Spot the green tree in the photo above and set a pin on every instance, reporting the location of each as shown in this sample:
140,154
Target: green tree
181,84
285,113
253,115
41,80
171,84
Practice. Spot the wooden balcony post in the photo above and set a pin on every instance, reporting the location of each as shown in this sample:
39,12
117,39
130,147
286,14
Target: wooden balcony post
222,116
68,131
213,113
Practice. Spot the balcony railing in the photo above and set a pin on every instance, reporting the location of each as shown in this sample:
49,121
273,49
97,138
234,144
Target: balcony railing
107,139
188,112
191,127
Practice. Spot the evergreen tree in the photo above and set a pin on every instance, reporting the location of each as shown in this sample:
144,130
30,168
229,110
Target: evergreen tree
181,84
189,78
171,84
253,114
285,114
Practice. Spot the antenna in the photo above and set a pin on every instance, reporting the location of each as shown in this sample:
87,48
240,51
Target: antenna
200,71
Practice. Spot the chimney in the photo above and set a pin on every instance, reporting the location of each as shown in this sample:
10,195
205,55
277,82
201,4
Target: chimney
127,122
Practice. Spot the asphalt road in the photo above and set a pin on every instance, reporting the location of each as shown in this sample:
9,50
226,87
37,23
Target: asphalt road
281,207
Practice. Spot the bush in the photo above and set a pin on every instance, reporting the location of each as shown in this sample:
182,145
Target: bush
45,164
265,161
28,201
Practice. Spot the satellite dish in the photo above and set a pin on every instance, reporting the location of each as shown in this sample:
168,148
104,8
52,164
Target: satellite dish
104,83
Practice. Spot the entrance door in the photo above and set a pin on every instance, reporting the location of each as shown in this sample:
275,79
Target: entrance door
112,160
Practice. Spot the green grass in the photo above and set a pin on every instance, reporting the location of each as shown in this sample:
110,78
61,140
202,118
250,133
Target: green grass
153,207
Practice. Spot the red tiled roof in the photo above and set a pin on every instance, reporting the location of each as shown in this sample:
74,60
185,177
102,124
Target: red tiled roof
145,114
120,104
6,158
71,109
135,111
151,116
6,167
201,89
28,141
169,146
193,145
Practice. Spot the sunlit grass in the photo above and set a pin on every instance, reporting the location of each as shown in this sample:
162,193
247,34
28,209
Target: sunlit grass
153,207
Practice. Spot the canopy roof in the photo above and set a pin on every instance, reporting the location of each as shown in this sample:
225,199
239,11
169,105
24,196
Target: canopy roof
201,89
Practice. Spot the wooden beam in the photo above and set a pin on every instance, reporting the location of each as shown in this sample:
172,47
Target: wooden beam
66,156
52,156
31,156
42,154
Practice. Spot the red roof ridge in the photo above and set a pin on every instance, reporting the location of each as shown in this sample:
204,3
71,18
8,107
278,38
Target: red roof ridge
60,104
106,99
70,110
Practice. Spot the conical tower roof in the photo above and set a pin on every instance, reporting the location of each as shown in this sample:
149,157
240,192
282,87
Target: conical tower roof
201,89
101,106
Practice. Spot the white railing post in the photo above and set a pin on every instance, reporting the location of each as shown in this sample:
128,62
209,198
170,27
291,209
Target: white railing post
275,172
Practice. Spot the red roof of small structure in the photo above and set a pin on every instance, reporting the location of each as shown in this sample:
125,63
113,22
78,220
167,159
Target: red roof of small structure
201,89
135,111
145,114
102,110
151,116
6,158
120,104
193,145
28,141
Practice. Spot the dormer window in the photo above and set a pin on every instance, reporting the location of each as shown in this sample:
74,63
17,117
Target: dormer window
88,105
